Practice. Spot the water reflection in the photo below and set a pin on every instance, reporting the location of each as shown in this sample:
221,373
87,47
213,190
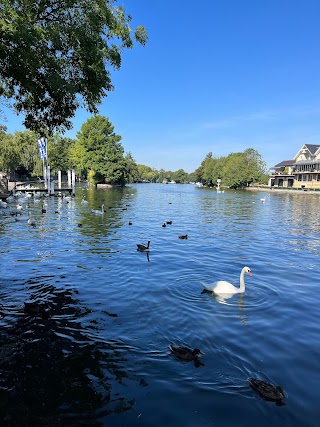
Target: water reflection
224,299
71,355
53,371
116,203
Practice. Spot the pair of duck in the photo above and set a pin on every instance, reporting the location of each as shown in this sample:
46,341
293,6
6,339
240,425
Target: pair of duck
166,223
265,389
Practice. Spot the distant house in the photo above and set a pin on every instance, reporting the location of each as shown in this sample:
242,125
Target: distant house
302,172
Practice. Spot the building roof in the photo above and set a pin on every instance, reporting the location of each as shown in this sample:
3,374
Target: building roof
312,148
285,163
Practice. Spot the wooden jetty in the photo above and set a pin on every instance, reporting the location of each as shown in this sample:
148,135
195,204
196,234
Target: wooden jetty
27,187
4,196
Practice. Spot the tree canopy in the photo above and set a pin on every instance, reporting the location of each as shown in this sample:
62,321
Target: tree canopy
55,56
235,170
104,154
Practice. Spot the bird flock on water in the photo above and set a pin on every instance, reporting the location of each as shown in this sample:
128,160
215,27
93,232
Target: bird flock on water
13,207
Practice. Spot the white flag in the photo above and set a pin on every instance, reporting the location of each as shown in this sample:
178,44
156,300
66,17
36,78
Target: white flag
42,145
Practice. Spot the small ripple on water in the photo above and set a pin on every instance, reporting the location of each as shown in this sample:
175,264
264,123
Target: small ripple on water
261,298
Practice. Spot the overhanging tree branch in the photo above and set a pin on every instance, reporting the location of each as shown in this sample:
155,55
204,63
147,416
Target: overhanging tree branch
55,56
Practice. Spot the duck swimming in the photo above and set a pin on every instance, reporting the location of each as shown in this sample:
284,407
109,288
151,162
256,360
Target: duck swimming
268,390
184,236
185,353
142,248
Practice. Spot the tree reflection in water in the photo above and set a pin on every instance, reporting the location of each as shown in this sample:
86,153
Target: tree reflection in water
52,372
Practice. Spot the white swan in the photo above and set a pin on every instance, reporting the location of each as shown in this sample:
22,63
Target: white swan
98,211
223,287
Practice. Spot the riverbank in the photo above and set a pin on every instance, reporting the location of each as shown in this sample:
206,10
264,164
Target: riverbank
284,190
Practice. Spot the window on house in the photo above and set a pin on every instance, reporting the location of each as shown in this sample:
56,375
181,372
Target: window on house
318,177
310,177
304,177
299,177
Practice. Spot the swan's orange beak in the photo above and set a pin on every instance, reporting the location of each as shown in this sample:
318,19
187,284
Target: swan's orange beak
249,272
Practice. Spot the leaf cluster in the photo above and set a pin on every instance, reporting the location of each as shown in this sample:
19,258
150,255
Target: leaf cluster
55,56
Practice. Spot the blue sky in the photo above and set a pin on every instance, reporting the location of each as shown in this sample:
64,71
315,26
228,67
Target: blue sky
219,76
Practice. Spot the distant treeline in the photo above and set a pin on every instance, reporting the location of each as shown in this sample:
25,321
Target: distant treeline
97,155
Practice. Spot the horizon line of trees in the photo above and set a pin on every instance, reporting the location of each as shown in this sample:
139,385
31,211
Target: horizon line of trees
97,155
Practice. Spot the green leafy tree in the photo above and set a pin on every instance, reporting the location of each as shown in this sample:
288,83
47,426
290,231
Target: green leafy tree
58,153
235,170
179,176
202,172
3,130
192,177
104,152
55,56
234,174
162,175
9,154
146,173
131,168
77,157
26,144
255,166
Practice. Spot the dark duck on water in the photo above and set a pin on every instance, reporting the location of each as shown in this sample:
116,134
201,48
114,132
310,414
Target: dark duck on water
188,354
143,248
268,391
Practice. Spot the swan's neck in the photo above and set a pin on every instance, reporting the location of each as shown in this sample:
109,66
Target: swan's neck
242,284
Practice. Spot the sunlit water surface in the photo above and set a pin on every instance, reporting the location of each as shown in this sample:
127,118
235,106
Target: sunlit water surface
93,348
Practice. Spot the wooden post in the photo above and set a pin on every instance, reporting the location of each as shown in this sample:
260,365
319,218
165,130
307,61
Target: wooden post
52,189
59,180
73,181
69,178
48,177
45,174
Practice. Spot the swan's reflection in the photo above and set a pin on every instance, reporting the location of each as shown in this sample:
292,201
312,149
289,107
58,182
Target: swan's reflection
223,299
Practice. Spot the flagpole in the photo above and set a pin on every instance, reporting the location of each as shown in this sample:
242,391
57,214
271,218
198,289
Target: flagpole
43,152
48,169
44,173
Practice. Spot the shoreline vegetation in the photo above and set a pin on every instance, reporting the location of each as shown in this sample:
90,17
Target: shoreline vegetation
98,156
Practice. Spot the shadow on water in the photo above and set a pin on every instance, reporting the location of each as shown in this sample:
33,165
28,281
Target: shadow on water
52,371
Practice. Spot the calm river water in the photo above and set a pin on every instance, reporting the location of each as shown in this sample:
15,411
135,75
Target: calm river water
91,345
